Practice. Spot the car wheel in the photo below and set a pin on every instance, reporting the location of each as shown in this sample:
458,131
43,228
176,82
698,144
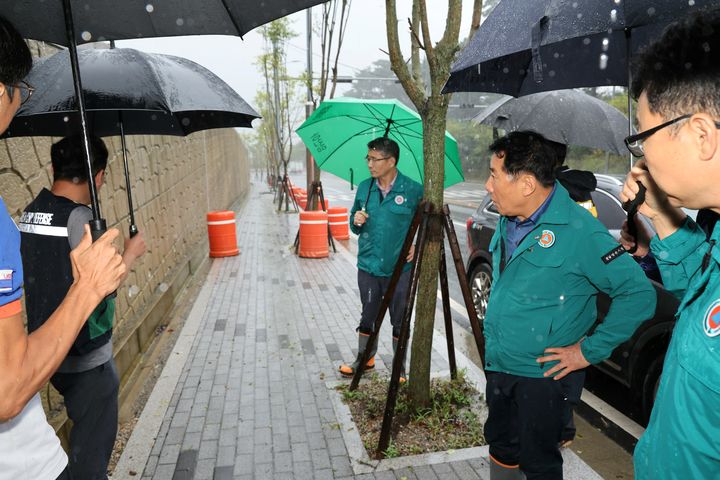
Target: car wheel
480,282
650,384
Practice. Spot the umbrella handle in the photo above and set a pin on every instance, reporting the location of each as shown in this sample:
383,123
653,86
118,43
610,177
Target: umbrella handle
352,179
98,227
632,207
133,230
364,208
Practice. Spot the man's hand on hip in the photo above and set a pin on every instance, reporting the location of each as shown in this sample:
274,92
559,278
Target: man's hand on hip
569,359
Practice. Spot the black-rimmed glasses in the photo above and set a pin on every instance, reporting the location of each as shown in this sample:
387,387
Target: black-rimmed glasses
26,91
370,159
634,143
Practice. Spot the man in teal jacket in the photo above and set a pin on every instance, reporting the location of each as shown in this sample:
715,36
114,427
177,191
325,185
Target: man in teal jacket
381,216
549,264
677,84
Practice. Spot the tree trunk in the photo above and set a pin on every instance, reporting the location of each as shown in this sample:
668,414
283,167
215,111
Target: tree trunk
434,152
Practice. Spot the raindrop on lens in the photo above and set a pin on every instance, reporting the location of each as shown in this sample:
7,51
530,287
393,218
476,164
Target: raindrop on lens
551,73
66,119
133,290
185,121
586,41
506,70
651,11
149,8
86,36
603,61
179,22
691,3
556,55
163,287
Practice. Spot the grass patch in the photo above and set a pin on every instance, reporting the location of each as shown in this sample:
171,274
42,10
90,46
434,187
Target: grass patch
453,421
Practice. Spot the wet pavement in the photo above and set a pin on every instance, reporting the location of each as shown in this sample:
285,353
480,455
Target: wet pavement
248,391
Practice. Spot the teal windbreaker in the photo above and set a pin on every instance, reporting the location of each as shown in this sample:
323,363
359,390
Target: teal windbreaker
545,295
381,237
681,440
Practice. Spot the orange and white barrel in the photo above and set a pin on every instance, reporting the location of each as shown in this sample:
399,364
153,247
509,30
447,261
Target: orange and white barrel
221,234
313,234
339,223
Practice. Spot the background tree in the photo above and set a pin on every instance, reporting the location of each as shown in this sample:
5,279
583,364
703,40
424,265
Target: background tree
276,103
331,29
432,107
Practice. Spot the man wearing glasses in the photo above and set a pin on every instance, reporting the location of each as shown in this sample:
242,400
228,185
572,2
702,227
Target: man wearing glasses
29,448
677,84
381,216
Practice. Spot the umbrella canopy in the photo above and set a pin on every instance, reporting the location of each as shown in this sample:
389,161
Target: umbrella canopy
338,132
157,94
52,20
526,47
99,20
571,117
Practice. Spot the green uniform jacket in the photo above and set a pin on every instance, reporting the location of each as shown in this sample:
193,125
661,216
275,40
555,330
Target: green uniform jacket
696,335
546,294
381,237
681,440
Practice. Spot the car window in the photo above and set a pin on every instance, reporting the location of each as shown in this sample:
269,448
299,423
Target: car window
610,213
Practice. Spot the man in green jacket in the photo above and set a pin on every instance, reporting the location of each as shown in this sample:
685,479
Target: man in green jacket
381,216
677,84
550,261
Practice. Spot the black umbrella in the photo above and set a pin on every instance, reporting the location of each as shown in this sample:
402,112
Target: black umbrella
526,47
571,117
52,21
157,94
128,92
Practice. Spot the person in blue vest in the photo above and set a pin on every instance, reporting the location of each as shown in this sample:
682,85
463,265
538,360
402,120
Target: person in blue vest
29,448
550,262
381,216
677,85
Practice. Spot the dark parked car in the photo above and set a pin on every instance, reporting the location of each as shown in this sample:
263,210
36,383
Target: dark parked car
636,363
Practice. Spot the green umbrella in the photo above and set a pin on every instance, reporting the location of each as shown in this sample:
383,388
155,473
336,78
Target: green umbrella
338,132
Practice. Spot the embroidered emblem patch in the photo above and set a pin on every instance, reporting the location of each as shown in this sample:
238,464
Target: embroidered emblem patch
711,322
6,277
547,239
399,199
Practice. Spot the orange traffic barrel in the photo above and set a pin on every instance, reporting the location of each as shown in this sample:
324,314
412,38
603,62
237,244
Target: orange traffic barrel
296,191
313,234
339,225
221,233
301,201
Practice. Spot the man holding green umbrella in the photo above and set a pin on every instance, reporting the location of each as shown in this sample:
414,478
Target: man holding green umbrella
381,215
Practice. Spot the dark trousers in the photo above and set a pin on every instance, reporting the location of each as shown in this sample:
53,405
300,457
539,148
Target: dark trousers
91,400
526,419
372,289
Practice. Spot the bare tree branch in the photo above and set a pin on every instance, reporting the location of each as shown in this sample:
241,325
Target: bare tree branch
344,17
413,90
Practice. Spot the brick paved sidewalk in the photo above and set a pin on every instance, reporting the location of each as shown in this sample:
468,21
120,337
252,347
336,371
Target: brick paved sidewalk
247,392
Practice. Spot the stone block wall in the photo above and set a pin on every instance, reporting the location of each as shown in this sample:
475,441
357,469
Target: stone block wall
175,181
